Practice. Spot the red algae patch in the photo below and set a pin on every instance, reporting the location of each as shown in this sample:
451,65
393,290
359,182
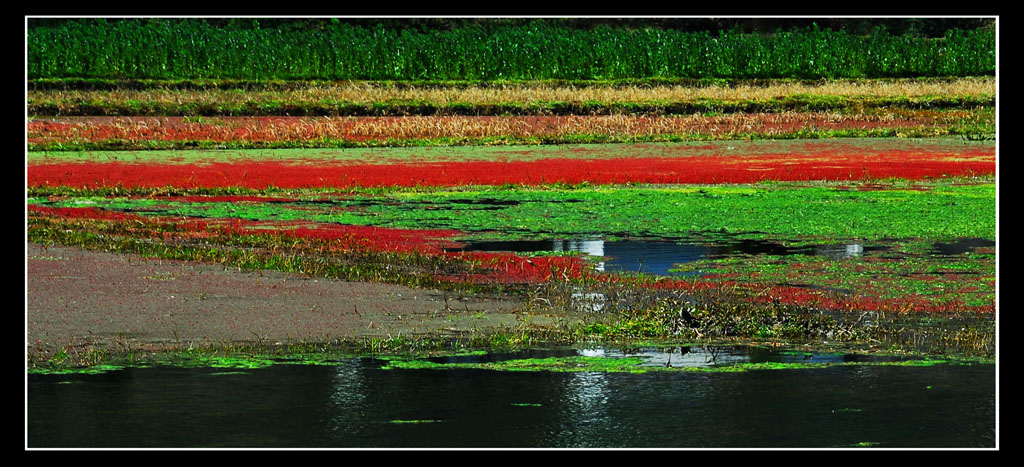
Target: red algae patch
910,164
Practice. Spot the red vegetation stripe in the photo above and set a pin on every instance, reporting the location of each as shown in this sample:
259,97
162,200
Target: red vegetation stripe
83,213
798,296
908,303
492,267
698,170
339,237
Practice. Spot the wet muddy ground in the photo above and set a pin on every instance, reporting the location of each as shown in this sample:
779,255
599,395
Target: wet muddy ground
78,299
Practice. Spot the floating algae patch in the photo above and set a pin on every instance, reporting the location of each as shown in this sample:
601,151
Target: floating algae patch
198,361
481,356
194,360
681,359
90,370
627,365
251,362
553,364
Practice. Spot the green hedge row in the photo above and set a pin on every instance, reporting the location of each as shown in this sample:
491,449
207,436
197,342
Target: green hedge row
195,49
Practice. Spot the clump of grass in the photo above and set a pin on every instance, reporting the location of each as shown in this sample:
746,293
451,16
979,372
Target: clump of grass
938,333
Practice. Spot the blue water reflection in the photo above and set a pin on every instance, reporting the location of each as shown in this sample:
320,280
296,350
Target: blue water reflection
658,257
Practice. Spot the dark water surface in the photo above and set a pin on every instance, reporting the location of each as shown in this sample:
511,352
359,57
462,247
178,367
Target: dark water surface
357,404
660,256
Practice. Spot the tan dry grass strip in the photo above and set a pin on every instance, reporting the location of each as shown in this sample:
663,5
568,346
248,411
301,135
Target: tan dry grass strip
617,125
365,93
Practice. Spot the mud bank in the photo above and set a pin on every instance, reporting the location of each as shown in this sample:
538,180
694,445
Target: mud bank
80,299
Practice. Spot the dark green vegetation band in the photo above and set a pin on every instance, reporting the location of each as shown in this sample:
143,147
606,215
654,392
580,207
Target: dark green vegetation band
192,49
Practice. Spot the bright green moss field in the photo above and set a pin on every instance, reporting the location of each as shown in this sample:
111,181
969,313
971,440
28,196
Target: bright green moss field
793,212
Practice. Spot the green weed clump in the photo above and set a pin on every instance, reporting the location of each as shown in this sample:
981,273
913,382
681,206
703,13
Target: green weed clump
196,49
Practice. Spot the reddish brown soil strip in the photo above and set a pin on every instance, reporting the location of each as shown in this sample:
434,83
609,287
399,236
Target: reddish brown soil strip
272,129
